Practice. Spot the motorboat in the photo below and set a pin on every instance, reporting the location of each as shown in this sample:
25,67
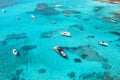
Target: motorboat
60,51
32,16
15,52
67,15
65,33
103,43
113,21
3,11
58,6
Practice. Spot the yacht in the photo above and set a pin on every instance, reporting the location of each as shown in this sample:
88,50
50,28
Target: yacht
65,33
103,43
60,51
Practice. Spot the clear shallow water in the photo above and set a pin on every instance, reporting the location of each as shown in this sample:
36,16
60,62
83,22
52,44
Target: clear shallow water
42,62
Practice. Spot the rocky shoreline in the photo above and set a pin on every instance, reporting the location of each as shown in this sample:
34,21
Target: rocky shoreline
111,1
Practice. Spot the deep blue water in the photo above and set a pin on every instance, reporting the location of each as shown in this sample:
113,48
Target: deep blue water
88,22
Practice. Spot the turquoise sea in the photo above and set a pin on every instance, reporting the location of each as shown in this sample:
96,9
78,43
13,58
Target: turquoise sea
88,21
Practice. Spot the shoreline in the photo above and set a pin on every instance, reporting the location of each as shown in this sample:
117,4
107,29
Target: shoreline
110,1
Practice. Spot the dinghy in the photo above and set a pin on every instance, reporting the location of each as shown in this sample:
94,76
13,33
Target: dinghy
15,52
65,34
103,43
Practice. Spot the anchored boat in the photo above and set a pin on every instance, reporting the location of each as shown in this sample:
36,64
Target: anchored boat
60,51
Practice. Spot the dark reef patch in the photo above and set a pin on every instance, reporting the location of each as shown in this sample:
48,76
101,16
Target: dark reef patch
97,27
9,3
117,45
28,47
71,74
80,27
90,36
86,19
19,71
15,78
45,9
83,56
22,78
98,8
41,7
71,12
16,36
89,53
47,34
99,76
77,60
115,33
117,39
42,70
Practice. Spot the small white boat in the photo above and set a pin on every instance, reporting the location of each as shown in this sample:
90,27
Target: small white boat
103,43
3,11
33,17
58,6
67,15
112,21
15,52
60,51
65,33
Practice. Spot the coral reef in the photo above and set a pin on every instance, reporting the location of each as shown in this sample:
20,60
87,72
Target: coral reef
16,36
46,34
115,33
98,76
71,74
7,3
15,78
28,47
77,60
80,27
71,12
87,52
19,71
97,8
42,70
50,11
41,7
45,9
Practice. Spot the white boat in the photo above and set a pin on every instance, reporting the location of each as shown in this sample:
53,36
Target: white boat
103,43
67,15
33,17
3,11
65,33
58,6
60,51
15,52
112,21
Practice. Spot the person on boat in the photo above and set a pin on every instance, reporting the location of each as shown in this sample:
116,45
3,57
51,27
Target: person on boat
103,43
59,49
